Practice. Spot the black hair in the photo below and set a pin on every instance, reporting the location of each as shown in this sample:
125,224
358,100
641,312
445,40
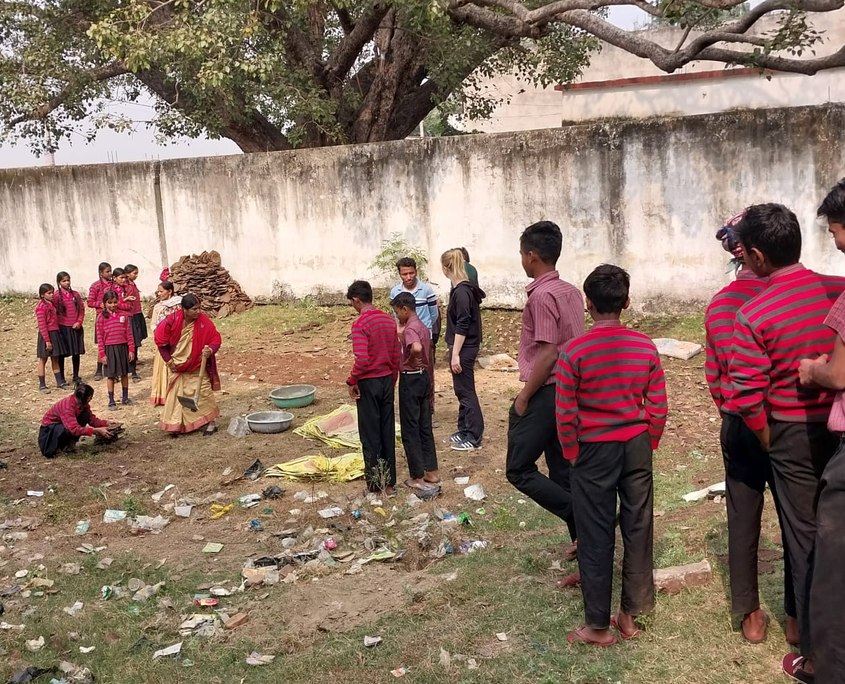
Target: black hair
109,296
129,268
406,262
59,302
117,272
362,290
44,288
167,285
465,253
607,288
189,301
774,230
404,300
61,275
833,206
83,393
544,239
103,266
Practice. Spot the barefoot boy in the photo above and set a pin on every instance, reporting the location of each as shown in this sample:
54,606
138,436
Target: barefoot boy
611,410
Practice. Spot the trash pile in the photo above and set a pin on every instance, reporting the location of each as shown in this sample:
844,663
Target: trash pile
338,429
204,275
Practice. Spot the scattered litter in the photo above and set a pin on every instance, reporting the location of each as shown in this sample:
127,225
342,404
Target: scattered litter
306,498
35,493
113,516
220,591
320,468
146,523
462,480
20,574
40,583
6,627
255,470
332,512
273,492
82,527
465,519
238,427
75,674
199,624
370,641
70,569
183,510
169,651
256,525
89,548
380,511
255,658
147,592
219,510
356,514
30,674
501,636
677,349
212,547
445,658
249,500
158,495
105,563
75,609
472,664
712,491
33,645
236,621
380,555
329,544
475,492
481,511
206,602
134,584
445,516
86,649
472,546
498,362
400,671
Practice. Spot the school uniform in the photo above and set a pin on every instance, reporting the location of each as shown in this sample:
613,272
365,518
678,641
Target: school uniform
773,332
96,293
747,465
48,331
137,320
376,348
64,423
553,314
115,343
414,401
70,312
611,408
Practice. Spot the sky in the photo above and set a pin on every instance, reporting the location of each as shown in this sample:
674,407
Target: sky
141,144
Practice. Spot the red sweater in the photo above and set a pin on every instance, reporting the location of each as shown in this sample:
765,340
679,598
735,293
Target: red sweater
96,292
73,309
131,290
45,316
114,330
773,332
610,388
67,412
719,325
375,344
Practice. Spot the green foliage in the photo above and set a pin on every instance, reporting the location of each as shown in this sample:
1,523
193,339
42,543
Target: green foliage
686,14
393,249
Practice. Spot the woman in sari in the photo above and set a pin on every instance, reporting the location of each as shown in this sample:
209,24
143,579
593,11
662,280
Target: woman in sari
183,339
166,304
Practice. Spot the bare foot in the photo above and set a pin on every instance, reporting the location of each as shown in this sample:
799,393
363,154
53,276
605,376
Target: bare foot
570,551
432,477
793,635
754,626
626,624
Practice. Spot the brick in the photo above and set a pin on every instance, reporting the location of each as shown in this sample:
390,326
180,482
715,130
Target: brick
236,621
675,579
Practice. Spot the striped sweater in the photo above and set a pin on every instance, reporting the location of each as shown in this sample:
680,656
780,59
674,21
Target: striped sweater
773,332
96,291
719,322
375,344
69,306
610,388
114,330
46,318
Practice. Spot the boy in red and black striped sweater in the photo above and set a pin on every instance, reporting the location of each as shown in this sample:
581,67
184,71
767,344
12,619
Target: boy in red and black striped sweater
371,383
773,332
611,410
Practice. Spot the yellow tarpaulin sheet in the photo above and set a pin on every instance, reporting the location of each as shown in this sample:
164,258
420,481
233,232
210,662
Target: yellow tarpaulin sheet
338,429
320,468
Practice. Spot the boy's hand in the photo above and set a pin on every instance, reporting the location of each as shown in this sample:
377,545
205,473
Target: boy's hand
805,369
455,365
354,392
520,405
764,436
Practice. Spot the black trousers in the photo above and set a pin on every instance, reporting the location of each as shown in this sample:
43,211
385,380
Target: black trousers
377,429
54,438
827,598
530,435
799,453
602,471
470,418
415,420
747,471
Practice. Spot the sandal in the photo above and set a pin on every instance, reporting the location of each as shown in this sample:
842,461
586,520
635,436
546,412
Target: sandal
209,430
570,551
569,582
627,636
579,636
793,666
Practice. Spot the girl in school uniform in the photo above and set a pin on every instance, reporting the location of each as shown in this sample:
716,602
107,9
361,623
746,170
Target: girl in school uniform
116,347
166,304
49,344
95,301
71,312
132,296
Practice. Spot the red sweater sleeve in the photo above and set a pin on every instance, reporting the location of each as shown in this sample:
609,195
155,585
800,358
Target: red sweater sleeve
41,319
95,296
80,307
749,370
656,404
566,407
130,338
101,334
71,422
361,350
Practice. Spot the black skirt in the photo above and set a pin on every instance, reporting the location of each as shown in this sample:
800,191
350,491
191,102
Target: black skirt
74,340
117,361
58,346
139,328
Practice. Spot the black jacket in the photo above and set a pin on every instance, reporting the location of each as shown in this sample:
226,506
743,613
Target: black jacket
463,315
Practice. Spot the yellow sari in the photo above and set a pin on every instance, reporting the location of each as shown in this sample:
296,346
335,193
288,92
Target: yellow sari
161,373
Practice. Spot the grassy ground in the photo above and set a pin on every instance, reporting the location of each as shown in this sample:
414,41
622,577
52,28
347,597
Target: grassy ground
439,619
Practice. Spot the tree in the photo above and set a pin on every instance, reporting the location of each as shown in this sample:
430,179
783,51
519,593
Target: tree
277,74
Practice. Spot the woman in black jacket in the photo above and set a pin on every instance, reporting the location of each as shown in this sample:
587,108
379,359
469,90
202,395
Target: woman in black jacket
463,337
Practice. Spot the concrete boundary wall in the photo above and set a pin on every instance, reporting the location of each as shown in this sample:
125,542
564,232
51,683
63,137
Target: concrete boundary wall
647,195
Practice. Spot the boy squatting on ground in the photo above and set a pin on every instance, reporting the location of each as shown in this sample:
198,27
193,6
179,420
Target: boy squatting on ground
611,410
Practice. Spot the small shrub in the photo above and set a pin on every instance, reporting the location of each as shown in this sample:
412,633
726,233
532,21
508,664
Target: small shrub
394,248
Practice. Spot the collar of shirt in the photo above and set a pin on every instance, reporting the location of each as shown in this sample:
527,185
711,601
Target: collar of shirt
786,271
613,323
534,284
747,274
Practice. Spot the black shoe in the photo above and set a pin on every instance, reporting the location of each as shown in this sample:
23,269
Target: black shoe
136,378
98,377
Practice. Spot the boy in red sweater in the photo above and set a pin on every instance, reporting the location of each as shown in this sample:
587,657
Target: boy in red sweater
611,409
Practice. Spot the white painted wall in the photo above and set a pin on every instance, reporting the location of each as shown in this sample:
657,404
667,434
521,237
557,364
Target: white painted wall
646,195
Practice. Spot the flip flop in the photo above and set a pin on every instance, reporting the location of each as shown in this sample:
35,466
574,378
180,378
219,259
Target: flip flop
569,582
578,636
570,551
627,636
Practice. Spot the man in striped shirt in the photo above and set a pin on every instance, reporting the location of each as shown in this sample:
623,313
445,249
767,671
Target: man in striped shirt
747,465
553,315
773,332
371,384
611,410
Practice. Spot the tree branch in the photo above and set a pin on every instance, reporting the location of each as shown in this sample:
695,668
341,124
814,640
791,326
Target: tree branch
349,50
